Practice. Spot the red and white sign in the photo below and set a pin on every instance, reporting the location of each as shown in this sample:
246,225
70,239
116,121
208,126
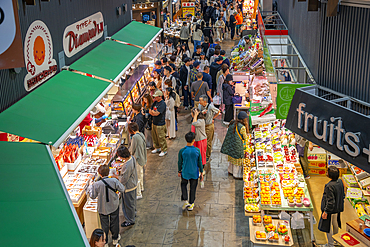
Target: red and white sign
188,4
83,33
38,55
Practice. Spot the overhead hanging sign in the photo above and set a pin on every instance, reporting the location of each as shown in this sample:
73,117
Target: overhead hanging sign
38,54
11,55
337,129
285,93
83,33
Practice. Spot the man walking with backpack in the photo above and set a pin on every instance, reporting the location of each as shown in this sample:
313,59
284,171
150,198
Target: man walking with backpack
108,202
199,88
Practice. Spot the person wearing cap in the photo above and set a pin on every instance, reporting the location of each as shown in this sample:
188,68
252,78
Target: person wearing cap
214,68
228,89
233,144
194,71
167,76
199,88
196,54
203,61
210,112
184,33
158,112
185,81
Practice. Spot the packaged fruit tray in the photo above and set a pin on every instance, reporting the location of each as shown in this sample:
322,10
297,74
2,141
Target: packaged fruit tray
273,238
257,220
267,219
261,236
252,208
270,228
282,228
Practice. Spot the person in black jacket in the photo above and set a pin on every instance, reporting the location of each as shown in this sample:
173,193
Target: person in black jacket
138,118
184,78
232,24
332,204
214,68
228,89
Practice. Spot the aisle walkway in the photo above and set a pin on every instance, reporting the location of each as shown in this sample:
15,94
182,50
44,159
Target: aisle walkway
218,217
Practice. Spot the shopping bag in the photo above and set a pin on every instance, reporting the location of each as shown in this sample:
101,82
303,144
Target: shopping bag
217,100
284,216
297,221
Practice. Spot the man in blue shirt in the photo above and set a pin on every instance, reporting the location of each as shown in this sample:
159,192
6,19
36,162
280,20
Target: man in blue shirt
189,165
207,77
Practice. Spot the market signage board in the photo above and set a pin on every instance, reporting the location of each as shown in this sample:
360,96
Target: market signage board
38,54
188,10
83,33
335,128
285,93
11,55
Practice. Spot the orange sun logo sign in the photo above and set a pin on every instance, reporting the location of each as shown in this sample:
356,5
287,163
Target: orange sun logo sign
38,54
39,50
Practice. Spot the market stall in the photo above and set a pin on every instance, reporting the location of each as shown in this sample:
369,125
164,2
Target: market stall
58,112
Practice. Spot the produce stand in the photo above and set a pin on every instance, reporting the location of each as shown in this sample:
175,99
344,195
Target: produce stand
265,243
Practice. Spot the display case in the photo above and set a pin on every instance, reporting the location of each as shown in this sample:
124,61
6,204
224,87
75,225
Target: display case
135,87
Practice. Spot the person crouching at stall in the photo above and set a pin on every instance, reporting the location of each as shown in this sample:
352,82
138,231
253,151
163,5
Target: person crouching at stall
233,144
128,177
332,204
228,88
108,202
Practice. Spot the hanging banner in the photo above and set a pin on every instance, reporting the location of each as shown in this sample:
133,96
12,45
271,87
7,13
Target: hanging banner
285,93
38,54
83,33
11,55
337,129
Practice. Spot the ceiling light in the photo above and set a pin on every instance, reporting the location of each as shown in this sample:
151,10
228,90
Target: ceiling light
152,5
141,6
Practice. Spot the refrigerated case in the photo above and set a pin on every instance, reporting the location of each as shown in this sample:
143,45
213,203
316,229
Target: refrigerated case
135,87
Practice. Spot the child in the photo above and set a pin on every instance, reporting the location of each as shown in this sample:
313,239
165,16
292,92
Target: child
108,202
199,128
189,165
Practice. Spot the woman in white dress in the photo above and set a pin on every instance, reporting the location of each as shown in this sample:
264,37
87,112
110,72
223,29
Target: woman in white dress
170,97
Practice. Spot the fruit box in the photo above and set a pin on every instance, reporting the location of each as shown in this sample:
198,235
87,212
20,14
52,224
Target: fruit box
317,154
317,164
321,172
88,130
350,180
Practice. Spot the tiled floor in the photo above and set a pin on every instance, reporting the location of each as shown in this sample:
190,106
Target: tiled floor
218,217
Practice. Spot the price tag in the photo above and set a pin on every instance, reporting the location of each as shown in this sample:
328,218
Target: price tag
273,192
273,176
295,191
367,222
270,235
255,181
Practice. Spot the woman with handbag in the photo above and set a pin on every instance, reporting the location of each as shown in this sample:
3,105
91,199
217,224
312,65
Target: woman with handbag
233,144
228,90
225,71
147,104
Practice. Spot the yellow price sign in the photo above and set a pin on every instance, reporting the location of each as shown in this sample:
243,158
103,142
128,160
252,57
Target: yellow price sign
188,10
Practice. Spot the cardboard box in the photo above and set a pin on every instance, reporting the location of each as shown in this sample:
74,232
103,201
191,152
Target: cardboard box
317,165
317,154
88,130
321,172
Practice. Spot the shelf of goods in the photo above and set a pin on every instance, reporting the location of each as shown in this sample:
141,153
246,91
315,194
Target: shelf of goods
133,89
271,180
248,9
79,159
357,186
248,58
